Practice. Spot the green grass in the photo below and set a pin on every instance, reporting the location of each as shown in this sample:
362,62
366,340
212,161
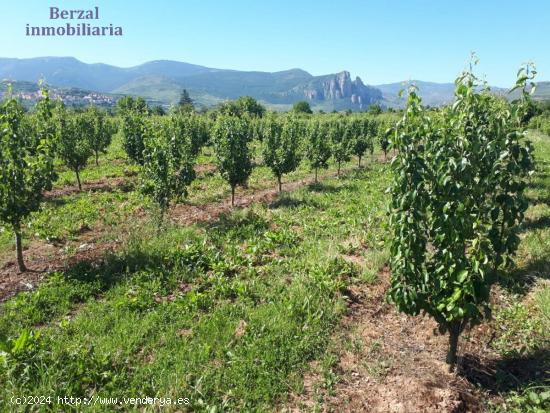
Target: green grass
227,313
522,320
542,301
66,218
230,313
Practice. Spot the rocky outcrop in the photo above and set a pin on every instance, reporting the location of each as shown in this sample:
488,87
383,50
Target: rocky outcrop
340,86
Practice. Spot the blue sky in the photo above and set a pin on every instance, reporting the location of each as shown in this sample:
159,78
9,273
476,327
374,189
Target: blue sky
381,41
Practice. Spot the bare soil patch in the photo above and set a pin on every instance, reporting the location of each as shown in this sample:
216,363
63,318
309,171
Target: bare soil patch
390,362
205,168
102,185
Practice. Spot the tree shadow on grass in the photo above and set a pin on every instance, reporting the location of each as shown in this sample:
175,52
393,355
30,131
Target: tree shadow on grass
113,268
507,373
56,202
90,278
290,202
521,280
240,224
533,224
539,200
537,184
321,187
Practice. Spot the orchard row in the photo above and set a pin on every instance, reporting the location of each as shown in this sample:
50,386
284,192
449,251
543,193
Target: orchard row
166,147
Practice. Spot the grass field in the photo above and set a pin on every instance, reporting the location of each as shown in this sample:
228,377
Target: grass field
234,312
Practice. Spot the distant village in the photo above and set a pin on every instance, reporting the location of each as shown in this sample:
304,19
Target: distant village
71,98
29,93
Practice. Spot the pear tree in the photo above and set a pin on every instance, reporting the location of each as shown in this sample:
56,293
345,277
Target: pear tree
317,151
27,144
281,142
73,140
341,140
457,200
230,136
168,162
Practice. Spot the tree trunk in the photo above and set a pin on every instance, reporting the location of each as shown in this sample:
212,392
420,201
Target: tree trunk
78,180
338,173
385,155
499,253
454,333
359,162
96,158
280,184
160,224
232,195
19,248
316,181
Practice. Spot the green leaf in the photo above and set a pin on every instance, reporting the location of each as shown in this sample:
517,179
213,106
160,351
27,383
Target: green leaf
461,277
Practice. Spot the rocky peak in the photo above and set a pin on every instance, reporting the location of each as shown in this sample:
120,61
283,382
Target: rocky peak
340,86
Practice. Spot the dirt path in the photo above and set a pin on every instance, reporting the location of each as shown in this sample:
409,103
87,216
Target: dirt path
42,257
189,214
400,366
101,185
389,363
109,184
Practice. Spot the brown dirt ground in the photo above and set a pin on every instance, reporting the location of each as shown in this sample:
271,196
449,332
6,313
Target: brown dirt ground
400,366
42,258
389,362
102,185
205,168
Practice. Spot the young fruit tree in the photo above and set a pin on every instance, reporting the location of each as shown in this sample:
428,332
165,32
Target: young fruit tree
317,146
457,201
73,140
341,142
133,132
26,163
190,128
281,141
371,128
358,132
168,164
101,132
384,140
134,112
230,138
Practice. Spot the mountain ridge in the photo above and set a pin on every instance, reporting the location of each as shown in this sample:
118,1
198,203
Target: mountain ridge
163,80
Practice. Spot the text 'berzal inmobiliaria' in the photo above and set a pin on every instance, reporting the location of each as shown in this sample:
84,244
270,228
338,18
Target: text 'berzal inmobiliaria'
74,23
